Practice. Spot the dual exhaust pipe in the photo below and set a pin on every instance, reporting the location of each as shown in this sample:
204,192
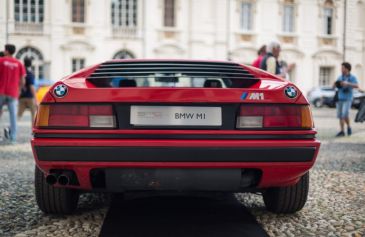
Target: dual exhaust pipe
60,178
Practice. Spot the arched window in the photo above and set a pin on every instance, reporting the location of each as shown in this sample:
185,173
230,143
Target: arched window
37,60
124,13
123,54
29,11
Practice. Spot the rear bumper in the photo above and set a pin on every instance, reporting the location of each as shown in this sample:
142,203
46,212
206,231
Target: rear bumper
280,162
174,154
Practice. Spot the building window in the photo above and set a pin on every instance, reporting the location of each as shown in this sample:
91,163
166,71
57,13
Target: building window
78,11
246,16
77,64
124,13
328,20
325,76
38,66
29,11
123,54
288,18
169,13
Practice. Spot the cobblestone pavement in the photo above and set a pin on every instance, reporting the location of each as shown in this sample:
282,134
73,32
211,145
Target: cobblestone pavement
335,207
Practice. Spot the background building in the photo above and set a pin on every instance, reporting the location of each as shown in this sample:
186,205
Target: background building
65,35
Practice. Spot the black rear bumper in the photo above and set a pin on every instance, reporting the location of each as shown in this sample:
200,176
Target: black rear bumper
174,154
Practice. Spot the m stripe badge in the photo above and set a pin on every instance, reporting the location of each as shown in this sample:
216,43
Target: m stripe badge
252,96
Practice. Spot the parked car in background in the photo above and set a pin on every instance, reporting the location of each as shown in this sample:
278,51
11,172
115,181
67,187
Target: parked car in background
323,96
358,96
360,115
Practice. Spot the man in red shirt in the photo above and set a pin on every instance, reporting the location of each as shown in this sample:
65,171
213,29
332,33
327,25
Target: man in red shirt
12,78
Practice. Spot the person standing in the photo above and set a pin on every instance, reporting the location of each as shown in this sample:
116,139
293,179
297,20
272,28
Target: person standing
12,77
27,99
261,54
345,84
270,62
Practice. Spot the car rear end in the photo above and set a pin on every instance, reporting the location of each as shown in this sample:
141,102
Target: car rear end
162,125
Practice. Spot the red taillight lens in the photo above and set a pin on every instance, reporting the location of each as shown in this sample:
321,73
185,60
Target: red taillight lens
76,116
274,116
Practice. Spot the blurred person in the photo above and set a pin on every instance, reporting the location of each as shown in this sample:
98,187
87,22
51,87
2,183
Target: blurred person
1,111
345,84
286,69
27,99
270,62
1,55
261,54
12,77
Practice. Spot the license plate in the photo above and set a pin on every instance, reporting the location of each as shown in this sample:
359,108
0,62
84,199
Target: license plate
175,116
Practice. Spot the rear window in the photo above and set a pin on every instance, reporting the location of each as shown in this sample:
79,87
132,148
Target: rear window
171,74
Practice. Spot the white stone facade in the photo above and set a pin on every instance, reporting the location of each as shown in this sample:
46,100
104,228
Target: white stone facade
204,29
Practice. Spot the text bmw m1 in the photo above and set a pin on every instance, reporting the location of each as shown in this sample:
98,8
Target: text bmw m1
173,125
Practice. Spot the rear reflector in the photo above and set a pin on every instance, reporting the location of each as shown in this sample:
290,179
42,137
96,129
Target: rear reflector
76,116
275,116
102,121
249,122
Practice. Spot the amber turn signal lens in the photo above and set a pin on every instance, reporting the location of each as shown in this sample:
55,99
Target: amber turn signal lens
307,121
42,116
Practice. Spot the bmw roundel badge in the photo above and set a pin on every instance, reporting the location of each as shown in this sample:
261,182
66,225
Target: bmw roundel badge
60,90
291,92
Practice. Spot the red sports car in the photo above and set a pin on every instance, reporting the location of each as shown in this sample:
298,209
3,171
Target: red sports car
173,125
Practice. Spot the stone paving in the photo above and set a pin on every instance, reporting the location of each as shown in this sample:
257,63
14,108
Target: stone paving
335,207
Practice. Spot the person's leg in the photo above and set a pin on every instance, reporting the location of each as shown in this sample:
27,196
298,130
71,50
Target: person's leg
346,114
347,121
342,125
12,104
339,107
21,108
2,102
33,109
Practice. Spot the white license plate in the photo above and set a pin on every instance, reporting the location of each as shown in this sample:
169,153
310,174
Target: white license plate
175,116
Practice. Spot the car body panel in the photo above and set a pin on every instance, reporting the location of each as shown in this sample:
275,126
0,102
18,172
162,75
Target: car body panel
269,89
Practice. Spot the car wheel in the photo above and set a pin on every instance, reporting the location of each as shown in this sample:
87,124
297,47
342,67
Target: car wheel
288,199
318,103
54,200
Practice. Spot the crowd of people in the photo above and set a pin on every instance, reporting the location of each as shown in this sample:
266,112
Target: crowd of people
17,89
268,60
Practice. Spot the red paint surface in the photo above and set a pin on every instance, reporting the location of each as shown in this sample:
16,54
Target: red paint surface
80,90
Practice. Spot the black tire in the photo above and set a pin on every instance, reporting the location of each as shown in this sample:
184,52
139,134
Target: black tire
53,200
318,103
288,199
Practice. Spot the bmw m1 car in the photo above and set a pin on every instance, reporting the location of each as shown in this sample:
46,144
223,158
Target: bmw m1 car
173,125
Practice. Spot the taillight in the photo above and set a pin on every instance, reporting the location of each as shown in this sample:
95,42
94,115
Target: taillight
75,116
274,116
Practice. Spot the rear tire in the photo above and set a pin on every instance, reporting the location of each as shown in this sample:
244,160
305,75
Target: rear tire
53,200
288,199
